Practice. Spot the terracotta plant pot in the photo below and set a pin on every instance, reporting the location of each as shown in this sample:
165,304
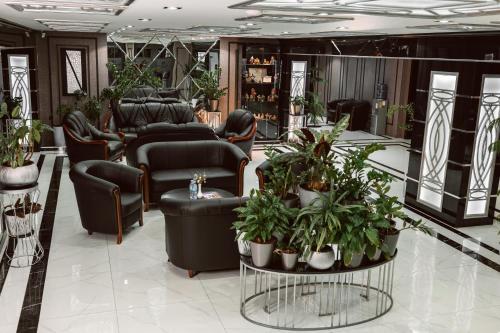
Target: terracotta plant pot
20,176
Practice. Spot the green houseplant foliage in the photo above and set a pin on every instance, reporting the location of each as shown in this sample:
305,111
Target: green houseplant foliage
280,175
263,215
408,110
62,110
315,104
313,151
92,108
209,84
129,77
316,226
298,100
18,142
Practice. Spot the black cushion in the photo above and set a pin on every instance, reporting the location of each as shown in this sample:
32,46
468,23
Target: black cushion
238,121
131,202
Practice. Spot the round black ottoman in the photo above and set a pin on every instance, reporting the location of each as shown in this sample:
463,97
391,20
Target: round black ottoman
198,234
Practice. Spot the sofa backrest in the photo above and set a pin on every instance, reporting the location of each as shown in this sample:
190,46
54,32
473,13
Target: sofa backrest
138,115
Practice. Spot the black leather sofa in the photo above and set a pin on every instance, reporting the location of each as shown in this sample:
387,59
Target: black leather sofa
164,132
132,117
171,165
198,234
109,196
359,112
85,142
239,129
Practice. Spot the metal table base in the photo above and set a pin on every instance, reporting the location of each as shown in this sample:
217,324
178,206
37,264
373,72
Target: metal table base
315,300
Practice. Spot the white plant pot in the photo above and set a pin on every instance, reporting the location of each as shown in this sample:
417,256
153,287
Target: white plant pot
289,260
17,226
262,253
321,260
307,197
59,140
20,176
244,246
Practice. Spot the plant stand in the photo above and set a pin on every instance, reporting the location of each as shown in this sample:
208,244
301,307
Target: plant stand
307,299
214,119
295,122
23,231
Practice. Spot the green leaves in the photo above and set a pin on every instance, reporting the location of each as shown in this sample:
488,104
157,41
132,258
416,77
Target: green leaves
209,84
263,215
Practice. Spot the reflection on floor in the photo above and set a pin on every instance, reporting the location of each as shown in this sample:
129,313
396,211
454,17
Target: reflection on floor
94,285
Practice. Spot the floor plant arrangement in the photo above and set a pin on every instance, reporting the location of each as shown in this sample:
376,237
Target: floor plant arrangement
346,217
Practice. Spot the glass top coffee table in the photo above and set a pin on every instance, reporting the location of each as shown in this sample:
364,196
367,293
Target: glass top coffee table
208,192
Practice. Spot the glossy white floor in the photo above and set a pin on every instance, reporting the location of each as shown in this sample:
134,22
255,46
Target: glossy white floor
94,285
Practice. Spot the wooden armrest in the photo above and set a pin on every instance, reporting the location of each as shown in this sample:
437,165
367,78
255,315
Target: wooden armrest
234,139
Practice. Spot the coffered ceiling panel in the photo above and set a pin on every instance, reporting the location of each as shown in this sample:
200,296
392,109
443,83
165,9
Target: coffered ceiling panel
94,7
418,9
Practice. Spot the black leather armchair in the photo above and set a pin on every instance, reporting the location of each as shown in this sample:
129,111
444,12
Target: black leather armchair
171,165
331,109
164,132
109,196
85,142
198,234
239,129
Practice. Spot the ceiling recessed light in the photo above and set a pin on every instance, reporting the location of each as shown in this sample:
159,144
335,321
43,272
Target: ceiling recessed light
250,24
443,21
322,14
144,19
211,30
172,8
285,32
130,26
341,28
467,27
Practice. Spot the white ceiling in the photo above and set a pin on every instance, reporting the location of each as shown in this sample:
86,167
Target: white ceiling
213,17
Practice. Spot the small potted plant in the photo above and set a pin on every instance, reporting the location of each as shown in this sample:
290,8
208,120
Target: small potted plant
289,250
298,103
387,209
313,151
282,180
92,108
17,145
318,226
209,84
358,235
61,111
16,216
316,108
263,215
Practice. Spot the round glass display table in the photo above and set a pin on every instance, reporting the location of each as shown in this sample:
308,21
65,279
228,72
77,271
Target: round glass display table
306,299
20,211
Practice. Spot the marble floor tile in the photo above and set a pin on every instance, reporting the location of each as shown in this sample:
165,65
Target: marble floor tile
103,322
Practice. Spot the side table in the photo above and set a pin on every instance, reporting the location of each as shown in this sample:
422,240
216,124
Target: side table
16,206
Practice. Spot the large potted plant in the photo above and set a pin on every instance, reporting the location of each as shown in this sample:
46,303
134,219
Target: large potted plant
298,103
317,226
263,216
282,180
61,111
316,107
209,85
314,153
92,108
17,145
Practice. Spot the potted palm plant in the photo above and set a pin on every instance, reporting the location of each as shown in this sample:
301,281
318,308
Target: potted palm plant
263,215
298,103
209,84
289,250
61,111
17,145
317,226
313,151
282,180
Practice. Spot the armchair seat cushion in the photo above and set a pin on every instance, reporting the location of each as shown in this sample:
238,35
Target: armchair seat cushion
131,202
165,180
